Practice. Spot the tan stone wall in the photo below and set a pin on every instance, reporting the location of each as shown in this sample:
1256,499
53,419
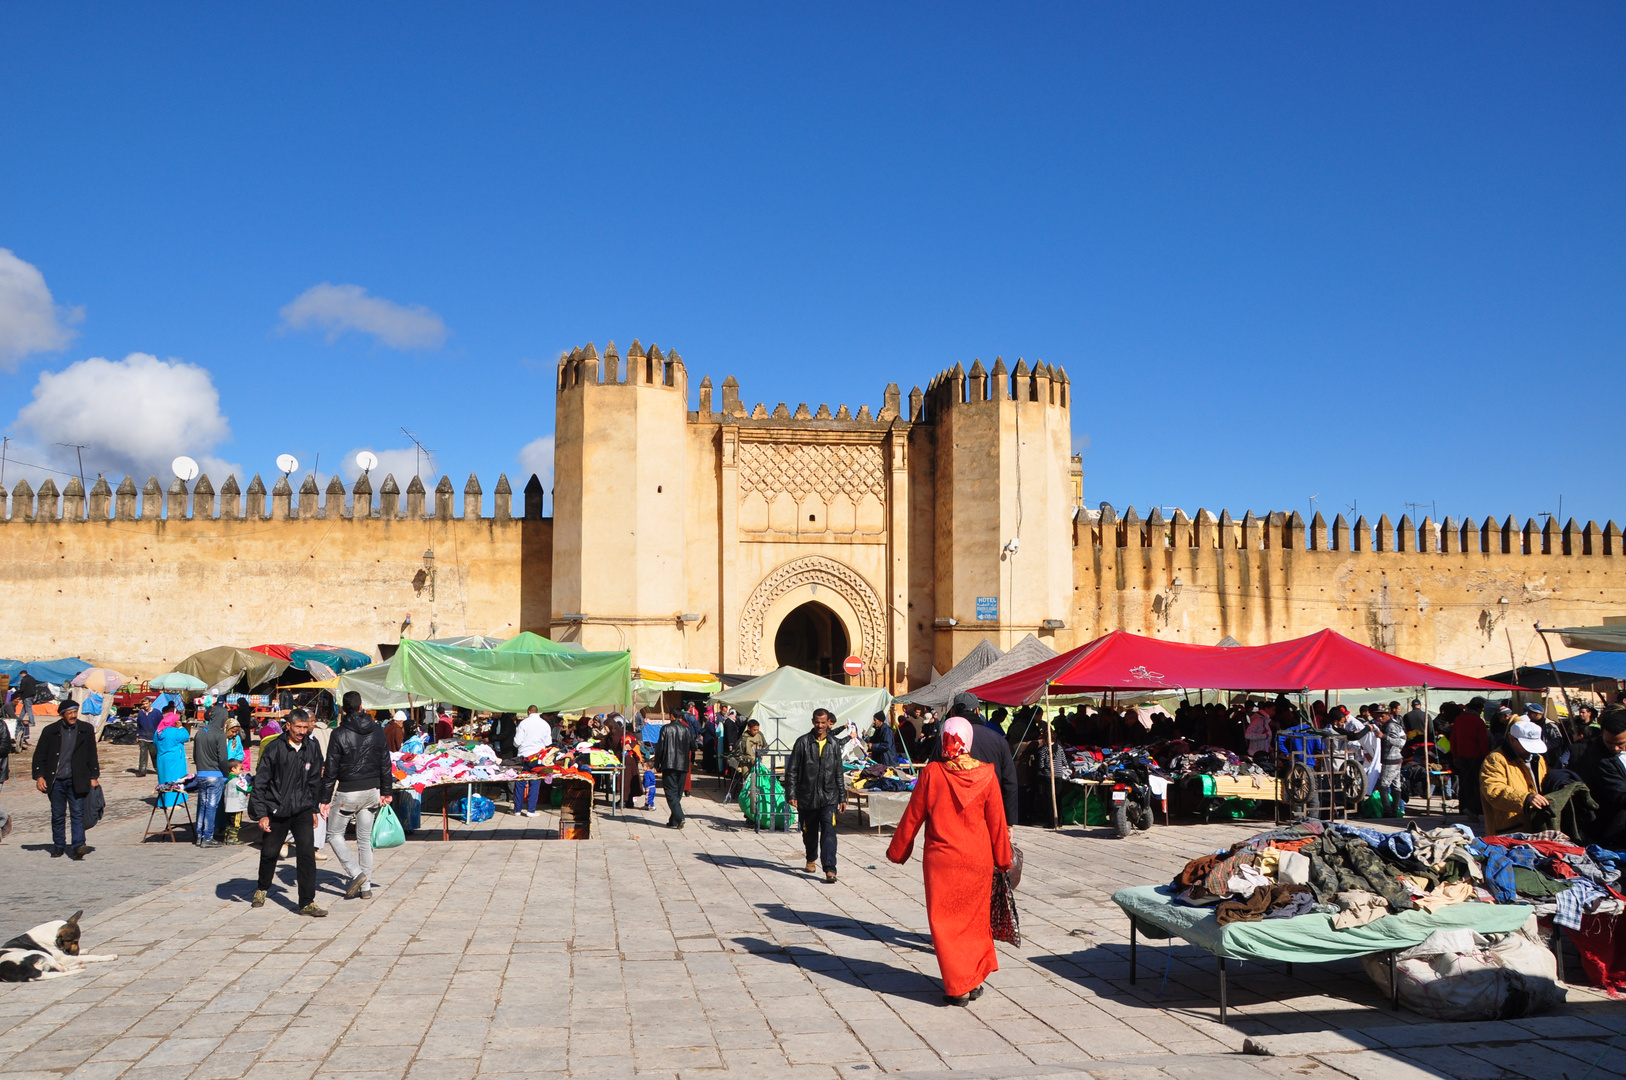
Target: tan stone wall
1415,592
140,594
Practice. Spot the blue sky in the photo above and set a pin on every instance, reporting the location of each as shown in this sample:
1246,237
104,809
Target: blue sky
1369,253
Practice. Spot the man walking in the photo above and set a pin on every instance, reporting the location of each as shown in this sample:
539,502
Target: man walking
1470,742
66,768
358,767
674,752
209,758
531,737
284,802
814,783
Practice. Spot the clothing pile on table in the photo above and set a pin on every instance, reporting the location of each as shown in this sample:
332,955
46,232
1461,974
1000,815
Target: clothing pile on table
1579,889
1355,875
869,775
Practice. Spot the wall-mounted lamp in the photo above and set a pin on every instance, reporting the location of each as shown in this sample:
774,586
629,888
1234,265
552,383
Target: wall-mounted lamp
945,622
691,616
1052,624
429,570
574,616
1174,589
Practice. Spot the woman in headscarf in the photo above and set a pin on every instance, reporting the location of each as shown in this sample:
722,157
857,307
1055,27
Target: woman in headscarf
958,801
170,745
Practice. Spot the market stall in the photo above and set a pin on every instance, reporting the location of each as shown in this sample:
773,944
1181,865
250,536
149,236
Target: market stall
1314,893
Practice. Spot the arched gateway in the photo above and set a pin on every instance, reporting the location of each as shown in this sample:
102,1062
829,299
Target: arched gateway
814,579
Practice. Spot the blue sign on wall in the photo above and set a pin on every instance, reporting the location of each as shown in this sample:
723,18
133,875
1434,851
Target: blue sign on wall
987,609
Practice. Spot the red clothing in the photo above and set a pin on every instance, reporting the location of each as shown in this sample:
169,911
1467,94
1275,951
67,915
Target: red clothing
1469,736
966,838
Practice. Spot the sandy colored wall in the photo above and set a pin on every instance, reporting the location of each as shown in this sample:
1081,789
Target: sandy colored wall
140,595
1260,580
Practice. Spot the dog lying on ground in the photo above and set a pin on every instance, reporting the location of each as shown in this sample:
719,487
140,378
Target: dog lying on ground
49,951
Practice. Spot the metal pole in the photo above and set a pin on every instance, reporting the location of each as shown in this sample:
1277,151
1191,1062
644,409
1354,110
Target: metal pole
1050,756
1428,769
1568,707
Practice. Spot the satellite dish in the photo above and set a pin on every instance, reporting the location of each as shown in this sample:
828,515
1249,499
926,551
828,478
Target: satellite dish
366,461
287,463
184,468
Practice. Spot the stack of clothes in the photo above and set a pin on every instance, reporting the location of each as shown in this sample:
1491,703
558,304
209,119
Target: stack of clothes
449,761
1355,875
869,775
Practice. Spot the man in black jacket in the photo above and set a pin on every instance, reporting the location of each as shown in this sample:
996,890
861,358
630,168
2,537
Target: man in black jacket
358,767
66,768
987,747
815,787
1601,761
284,801
674,752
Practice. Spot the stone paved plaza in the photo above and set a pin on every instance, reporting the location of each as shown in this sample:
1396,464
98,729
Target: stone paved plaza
646,952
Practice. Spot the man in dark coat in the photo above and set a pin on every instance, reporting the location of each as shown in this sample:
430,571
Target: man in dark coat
285,798
1601,761
674,752
814,785
66,768
986,747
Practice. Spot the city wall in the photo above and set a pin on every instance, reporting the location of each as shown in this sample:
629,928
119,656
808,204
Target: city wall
139,582
1461,595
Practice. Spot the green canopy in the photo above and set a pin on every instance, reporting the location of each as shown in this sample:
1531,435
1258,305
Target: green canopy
369,682
512,680
783,702
525,641
214,666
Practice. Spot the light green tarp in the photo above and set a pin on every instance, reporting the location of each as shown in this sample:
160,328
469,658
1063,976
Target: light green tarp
1601,638
370,682
784,700
512,681
1310,938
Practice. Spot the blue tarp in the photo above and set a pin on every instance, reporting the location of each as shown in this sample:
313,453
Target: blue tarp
1599,665
51,671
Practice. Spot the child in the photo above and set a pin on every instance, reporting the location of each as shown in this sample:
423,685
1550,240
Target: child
235,800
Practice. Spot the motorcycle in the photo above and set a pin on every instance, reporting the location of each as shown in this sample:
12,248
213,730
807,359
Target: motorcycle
1131,801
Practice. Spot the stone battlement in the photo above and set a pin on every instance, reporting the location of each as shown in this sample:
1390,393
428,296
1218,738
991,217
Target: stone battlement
956,386
733,410
583,366
1287,531
235,504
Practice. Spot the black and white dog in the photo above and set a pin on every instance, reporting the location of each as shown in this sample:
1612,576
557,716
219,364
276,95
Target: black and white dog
49,951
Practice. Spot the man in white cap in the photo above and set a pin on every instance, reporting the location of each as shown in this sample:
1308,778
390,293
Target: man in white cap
1510,782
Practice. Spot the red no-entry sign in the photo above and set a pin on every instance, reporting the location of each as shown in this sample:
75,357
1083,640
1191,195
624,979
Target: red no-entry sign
853,666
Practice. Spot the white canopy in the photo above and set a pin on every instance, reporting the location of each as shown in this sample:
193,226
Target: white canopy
783,702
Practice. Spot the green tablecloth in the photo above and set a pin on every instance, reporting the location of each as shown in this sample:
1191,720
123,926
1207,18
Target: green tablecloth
1308,939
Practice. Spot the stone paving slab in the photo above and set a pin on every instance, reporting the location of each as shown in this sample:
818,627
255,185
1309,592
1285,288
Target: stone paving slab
647,952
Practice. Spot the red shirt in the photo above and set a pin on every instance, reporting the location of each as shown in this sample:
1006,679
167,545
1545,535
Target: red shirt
1469,736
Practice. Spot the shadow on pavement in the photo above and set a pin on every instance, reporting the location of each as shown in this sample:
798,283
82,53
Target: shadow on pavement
850,927
869,975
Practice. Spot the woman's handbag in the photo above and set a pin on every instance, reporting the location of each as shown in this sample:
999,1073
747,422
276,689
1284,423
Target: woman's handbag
1015,872
1006,926
387,829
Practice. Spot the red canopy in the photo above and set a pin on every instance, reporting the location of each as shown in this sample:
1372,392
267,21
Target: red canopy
281,652
1123,661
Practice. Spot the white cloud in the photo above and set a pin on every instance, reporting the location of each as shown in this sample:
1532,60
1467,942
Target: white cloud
398,463
30,321
536,457
338,309
134,416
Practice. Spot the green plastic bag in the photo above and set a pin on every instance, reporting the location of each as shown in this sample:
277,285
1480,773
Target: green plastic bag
387,831
762,799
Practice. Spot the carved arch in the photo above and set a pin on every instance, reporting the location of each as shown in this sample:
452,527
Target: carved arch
846,583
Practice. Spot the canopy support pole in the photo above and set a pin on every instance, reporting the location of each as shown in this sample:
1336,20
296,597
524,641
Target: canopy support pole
1568,707
1050,757
1428,767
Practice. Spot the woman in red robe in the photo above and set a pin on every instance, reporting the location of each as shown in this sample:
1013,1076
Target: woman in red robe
958,801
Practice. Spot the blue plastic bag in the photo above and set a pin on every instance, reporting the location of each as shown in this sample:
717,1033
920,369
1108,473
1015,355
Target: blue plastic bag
480,808
387,829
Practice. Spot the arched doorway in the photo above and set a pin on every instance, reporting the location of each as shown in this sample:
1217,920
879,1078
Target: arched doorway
812,638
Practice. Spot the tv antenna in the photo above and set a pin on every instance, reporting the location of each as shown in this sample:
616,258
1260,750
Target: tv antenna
422,453
1433,508
79,449
5,445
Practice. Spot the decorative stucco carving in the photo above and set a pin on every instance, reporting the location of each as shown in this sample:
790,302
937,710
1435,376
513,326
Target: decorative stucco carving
845,582
830,469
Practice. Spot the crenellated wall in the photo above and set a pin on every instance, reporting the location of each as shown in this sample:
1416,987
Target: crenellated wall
1462,595
690,530
139,580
